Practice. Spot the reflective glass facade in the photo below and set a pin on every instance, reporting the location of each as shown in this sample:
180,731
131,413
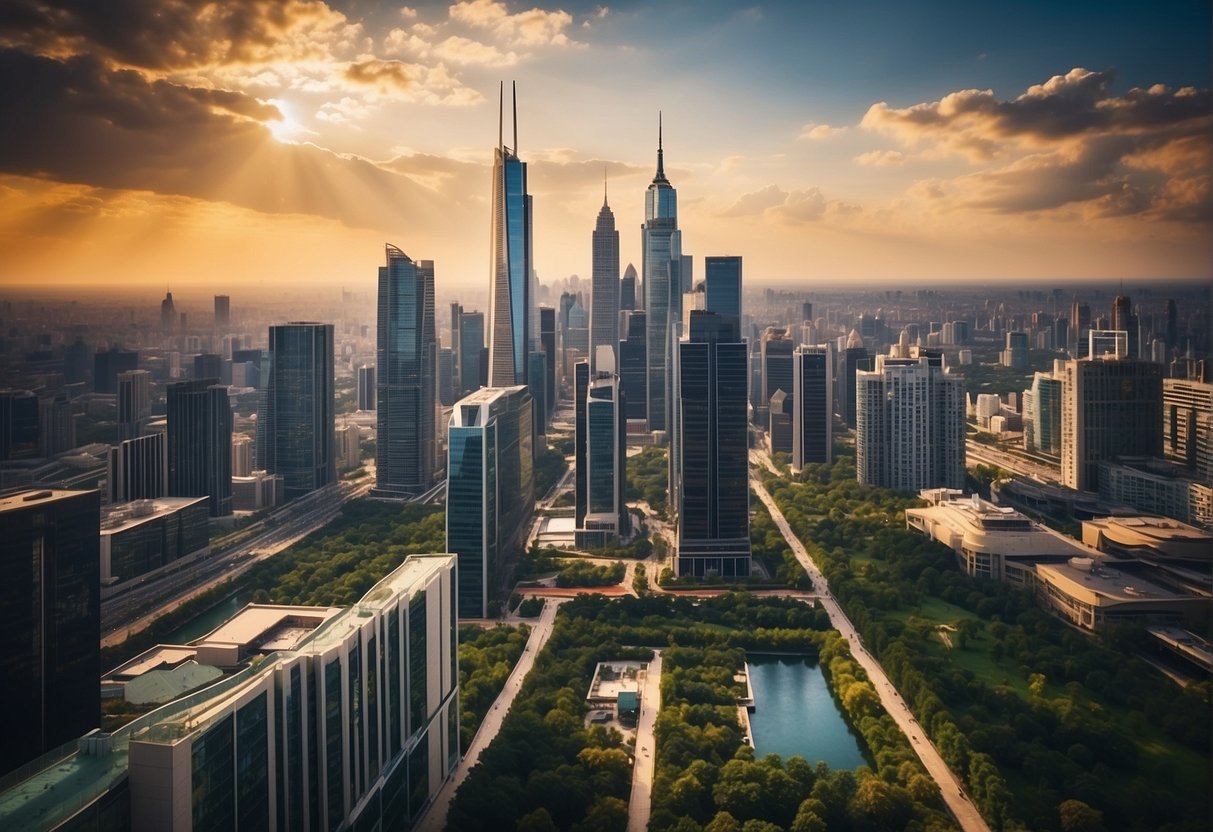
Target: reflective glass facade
604,296
200,443
813,405
295,420
405,375
661,251
722,286
509,294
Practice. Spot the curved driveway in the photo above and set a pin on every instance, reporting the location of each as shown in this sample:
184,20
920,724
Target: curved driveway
950,788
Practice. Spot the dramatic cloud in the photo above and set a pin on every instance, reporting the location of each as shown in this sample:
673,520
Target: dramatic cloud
880,158
115,129
534,27
383,75
800,205
1068,141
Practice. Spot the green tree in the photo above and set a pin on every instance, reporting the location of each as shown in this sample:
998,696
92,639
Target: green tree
1077,816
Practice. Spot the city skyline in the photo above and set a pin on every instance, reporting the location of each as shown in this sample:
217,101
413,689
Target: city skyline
873,142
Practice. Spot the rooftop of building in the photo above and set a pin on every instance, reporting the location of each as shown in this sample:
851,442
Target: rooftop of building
36,496
125,516
266,628
1088,580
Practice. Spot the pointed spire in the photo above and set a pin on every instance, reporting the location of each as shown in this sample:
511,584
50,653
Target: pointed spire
604,186
514,87
500,112
660,177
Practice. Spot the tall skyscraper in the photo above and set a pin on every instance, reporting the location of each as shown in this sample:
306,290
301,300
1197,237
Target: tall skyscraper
107,364
510,277
1015,353
490,490
911,425
722,279
1124,320
295,417
1042,415
1110,407
406,366
50,603
547,342
471,348
602,517
633,366
661,250
604,297
56,424
456,322
581,388
134,402
138,468
200,443
812,405
208,365
242,455
627,288
713,491
168,314
367,392
1187,424
853,359
18,424
223,312
776,346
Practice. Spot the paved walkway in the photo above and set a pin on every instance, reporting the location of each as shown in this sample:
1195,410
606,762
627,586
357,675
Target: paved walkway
434,818
950,788
640,803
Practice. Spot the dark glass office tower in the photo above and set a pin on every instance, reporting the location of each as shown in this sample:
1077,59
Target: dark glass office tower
661,248
18,424
456,322
50,603
604,296
537,366
295,420
627,288
510,277
581,387
547,342
813,405
134,402
471,346
601,447
713,493
200,443
632,366
776,373
854,358
722,284
490,490
366,388
406,364
138,468
107,364
223,312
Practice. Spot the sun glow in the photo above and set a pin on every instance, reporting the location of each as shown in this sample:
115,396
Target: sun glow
288,129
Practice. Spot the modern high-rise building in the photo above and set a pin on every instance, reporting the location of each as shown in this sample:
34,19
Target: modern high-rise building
812,405
627,289
1110,407
50,603
471,348
18,424
1042,415
200,443
295,417
1125,321
1015,353
134,402
223,312
776,350
722,279
547,342
661,250
208,365
603,517
242,455
853,359
145,536
366,388
168,314
490,490
510,299
1187,424
406,367
138,468
581,388
56,424
713,490
633,366
107,364
911,425
604,292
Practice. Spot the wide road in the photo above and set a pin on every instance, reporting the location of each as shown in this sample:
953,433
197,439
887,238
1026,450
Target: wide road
976,452
640,804
950,788
435,816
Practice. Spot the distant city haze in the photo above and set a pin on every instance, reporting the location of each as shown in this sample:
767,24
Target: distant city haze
280,146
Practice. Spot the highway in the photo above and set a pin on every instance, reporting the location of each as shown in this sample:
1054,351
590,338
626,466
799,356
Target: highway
132,610
978,452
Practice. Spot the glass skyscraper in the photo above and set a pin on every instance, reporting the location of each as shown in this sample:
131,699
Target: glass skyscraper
51,608
200,443
295,420
713,493
661,250
405,377
490,489
604,296
722,285
813,405
510,287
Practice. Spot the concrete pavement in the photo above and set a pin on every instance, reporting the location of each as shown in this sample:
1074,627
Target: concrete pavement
640,803
950,788
434,818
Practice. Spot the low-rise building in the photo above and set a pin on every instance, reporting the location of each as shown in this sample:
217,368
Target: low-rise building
141,538
1091,594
